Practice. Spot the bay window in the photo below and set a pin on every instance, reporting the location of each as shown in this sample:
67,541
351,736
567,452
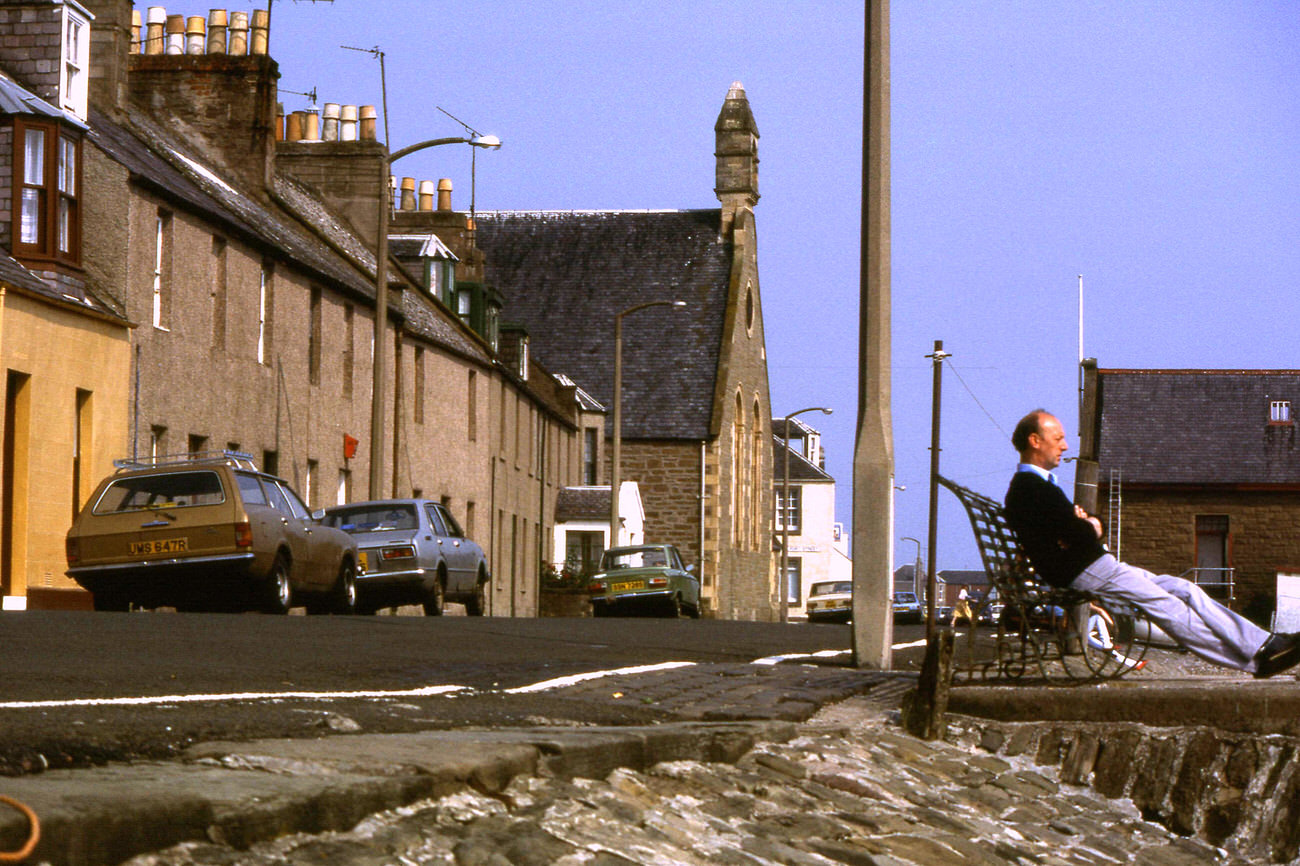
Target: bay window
47,217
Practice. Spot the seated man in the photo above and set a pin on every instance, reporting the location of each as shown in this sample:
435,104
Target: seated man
1064,544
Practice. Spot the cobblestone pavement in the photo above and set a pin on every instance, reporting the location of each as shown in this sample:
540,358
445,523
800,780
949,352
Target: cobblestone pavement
851,788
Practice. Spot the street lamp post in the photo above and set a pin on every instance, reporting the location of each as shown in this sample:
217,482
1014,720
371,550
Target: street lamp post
781,583
617,454
916,569
380,361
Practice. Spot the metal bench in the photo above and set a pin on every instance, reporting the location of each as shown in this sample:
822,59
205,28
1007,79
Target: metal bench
1055,634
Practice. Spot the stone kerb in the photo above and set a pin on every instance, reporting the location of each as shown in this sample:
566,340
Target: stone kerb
1240,792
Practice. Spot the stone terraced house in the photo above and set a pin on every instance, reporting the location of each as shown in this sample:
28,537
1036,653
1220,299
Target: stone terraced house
696,411
180,279
1198,474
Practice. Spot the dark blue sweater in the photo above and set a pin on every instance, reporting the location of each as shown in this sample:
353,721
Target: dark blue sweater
1059,543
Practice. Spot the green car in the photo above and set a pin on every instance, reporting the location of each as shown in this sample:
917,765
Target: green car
646,578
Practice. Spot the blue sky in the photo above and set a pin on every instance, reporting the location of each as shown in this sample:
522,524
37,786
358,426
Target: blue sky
1150,147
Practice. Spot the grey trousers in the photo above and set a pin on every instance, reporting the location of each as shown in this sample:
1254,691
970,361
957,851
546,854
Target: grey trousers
1181,608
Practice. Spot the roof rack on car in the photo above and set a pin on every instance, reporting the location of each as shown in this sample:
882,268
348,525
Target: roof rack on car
237,459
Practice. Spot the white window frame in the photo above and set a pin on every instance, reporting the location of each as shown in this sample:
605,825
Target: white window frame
74,65
1279,411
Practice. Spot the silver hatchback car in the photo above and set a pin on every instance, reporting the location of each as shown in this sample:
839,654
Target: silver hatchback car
412,551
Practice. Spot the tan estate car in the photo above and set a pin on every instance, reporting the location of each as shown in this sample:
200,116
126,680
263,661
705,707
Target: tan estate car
207,532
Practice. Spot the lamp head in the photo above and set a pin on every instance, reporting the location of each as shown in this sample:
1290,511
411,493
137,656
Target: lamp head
677,305
491,142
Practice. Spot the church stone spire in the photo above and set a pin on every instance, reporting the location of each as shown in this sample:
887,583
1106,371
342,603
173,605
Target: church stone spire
736,153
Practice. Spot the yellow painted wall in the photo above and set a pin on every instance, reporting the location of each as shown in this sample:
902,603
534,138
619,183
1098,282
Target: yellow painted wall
61,351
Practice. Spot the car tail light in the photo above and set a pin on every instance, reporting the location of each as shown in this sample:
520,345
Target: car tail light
658,581
405,552
595,587
243,534
73,550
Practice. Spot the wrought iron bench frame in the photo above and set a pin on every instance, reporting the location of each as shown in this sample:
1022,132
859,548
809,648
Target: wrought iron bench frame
1056,633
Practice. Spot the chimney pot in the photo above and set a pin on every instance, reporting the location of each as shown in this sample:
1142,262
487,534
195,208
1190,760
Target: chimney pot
135,31
293,125
426,195
366,130
444,194
217,21
330,118
155,33
175,34
261,24
408,193
348,123
311,131
238,33
195,34
279,121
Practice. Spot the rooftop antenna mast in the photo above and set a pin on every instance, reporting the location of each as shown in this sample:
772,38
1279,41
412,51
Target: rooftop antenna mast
471,132
383,83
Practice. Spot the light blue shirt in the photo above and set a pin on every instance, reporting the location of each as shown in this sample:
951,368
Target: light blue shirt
1042,473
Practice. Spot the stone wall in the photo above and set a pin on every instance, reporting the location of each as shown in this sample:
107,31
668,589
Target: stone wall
1240,792
1159,534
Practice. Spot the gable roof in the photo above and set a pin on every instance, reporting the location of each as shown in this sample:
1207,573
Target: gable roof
565,275
1197,426
801,468
582,503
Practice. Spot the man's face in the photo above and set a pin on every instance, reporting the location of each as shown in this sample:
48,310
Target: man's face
1048,444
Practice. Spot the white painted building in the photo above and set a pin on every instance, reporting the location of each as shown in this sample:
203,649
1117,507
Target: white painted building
818,545
582,525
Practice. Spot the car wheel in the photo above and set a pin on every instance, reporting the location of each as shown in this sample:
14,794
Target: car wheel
693,611
343,597
674,608
435,596
477,605
112,602
277,592
600,610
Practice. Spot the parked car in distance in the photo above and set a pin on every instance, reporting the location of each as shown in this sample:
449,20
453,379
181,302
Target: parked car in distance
412,551
830,601
647,578
907,608
207,531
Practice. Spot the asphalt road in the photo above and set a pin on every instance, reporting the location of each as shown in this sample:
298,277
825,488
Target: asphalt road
82,688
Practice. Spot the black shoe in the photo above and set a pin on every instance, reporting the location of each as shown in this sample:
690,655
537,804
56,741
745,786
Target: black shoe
1279,652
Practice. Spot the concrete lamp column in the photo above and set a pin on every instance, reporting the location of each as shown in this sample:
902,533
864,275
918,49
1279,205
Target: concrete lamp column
617,450
781,586
380,363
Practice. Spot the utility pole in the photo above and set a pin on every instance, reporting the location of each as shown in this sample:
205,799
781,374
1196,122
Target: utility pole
931,580
873,455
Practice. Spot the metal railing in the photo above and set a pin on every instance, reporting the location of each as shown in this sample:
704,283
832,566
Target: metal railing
1220,583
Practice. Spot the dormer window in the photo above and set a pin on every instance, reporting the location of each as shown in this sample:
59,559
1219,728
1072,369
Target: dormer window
47,214
76,62
1279,412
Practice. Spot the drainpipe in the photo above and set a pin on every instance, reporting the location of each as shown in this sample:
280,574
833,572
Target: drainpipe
699,566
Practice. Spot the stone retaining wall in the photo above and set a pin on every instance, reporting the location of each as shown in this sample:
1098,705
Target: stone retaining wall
1240,792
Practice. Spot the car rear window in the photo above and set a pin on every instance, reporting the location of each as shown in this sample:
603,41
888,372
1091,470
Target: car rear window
371,519
648,558
168,490
831,588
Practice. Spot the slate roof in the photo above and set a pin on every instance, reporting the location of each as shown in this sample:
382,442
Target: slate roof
582,503
1197,426
801,468
158,159
564,275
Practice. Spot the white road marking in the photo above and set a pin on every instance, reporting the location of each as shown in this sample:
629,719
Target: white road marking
240,696
776,660
560,682
913,645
